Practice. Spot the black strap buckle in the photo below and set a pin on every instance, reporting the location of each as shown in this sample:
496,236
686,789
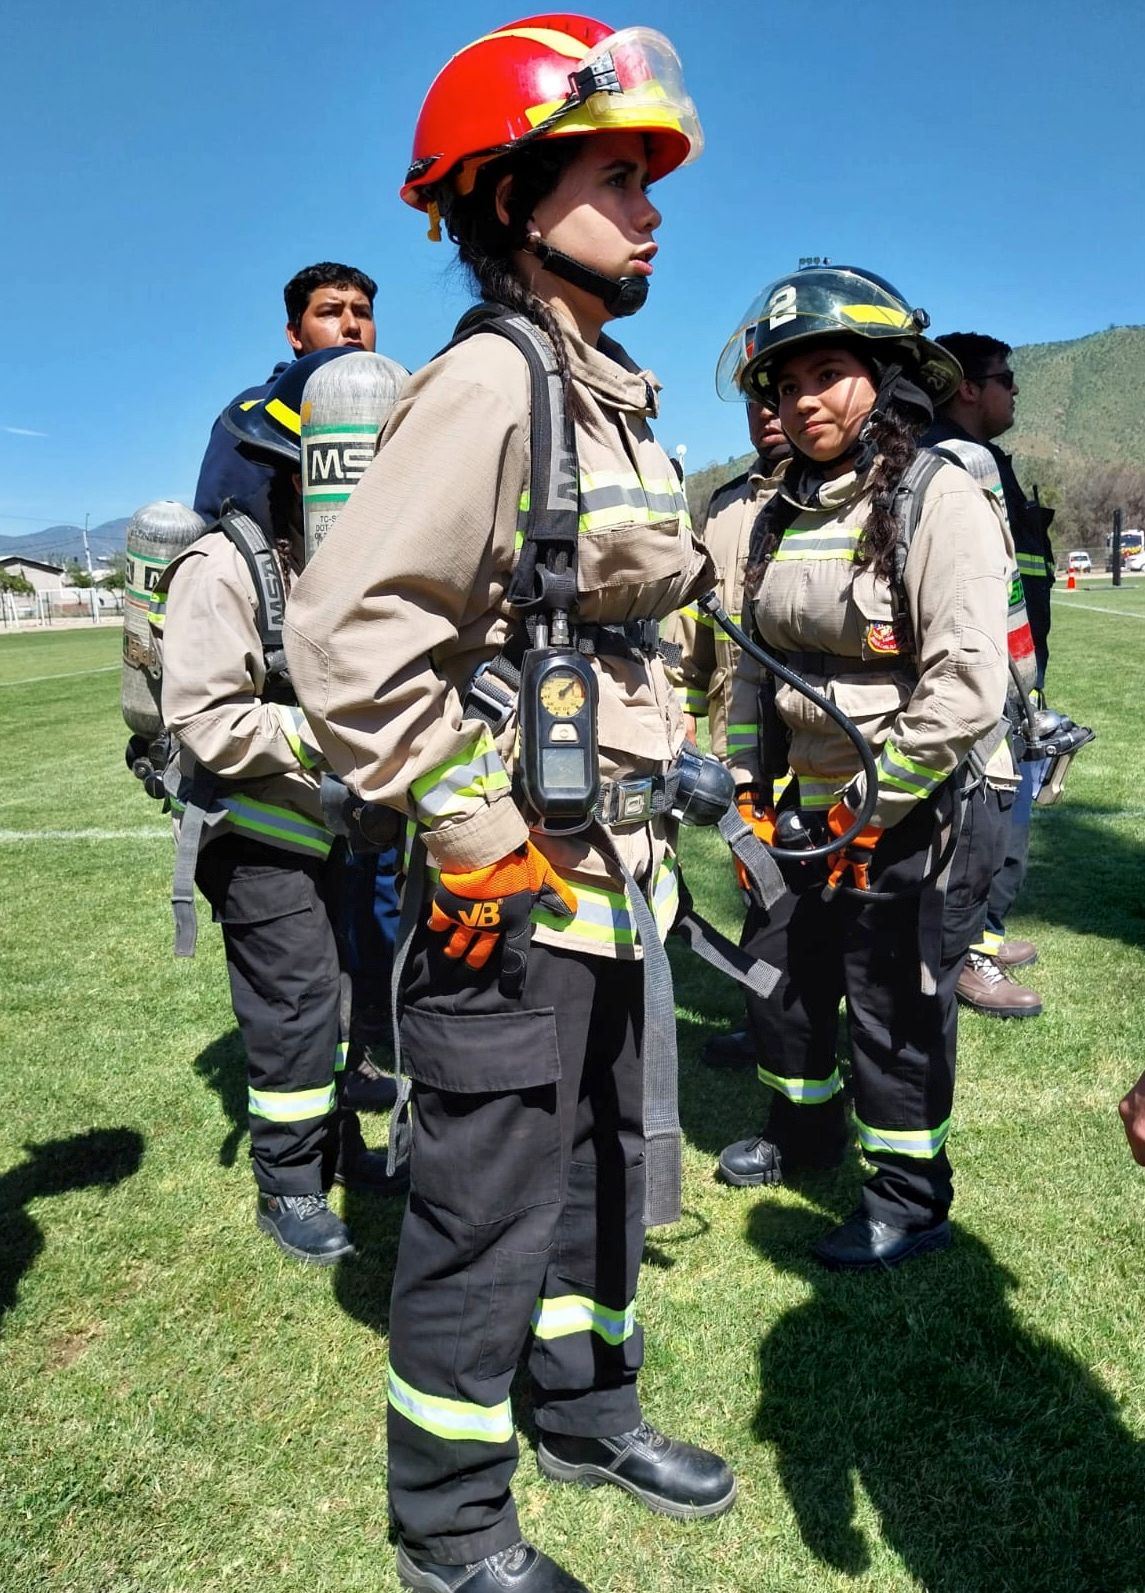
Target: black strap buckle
488,698
628,801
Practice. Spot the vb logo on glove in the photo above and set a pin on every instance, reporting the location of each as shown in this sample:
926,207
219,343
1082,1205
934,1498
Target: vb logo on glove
485,915
491,905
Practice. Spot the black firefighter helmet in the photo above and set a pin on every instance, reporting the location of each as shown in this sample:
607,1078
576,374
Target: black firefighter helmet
824,302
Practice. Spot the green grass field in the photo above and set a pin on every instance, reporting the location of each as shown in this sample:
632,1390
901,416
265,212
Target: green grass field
184,1409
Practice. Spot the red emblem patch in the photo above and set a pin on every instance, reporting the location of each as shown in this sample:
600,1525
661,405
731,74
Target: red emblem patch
882,637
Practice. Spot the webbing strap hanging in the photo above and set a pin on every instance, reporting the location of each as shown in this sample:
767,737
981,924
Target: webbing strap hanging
767,883
662,1164
194,816
542,579
413,895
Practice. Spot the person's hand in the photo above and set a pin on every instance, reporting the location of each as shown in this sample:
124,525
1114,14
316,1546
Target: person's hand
690,728
1132,1110
855,857
491,905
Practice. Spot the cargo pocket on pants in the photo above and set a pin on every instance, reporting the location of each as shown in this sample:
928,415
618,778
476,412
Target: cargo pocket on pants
486,1119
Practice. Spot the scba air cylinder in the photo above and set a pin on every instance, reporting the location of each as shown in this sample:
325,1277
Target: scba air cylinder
345,404
155,534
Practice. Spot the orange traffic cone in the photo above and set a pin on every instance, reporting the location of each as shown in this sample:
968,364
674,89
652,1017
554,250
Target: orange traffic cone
1071,582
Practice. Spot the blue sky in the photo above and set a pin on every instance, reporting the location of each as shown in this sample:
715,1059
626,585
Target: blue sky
167,166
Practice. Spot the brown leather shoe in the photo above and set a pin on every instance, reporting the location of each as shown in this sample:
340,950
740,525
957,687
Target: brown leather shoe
988,989
1016,954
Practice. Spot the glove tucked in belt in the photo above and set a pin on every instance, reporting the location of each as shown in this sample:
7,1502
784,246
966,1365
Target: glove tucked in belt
855,856
486,905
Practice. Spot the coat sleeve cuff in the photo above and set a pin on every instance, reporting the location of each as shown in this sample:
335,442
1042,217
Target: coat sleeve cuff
481,838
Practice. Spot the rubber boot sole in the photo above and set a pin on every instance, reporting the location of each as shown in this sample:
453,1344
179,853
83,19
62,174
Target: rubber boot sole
412,1576
308,1257
1000,1012
750,1180
590,1476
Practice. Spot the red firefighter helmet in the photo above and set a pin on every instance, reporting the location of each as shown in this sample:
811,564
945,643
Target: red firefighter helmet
549,77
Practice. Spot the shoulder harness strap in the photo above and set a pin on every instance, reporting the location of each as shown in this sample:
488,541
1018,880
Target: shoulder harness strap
544,577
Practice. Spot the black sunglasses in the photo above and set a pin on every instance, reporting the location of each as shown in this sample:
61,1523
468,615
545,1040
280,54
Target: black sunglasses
1005,377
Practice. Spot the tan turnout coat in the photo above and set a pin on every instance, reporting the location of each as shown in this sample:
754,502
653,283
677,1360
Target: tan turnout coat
407,596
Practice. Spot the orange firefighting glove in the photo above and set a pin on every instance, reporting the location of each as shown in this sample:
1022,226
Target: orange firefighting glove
749,805
855,856
486,905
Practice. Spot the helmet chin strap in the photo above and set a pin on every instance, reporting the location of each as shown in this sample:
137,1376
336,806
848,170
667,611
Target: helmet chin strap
619,295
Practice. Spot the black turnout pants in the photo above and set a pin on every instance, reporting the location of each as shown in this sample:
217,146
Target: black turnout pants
276,908
524,1227
903,1042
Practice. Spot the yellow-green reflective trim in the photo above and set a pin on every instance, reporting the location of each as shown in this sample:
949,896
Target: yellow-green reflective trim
461,781
896,769
802,1092
920,1143
291,1106
817,793
813,544
341,1051
1032,564
604,917
291,726
576,1313
695,701
450,1418
281,825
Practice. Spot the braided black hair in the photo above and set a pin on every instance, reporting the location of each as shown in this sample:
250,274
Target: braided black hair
486,244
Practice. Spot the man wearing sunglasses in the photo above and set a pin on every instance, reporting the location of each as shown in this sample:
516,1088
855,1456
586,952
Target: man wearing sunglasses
981,409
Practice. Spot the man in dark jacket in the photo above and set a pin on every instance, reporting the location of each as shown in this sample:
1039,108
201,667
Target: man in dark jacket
981,409
327,306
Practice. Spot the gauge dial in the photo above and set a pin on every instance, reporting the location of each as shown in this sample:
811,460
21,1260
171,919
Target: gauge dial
562,694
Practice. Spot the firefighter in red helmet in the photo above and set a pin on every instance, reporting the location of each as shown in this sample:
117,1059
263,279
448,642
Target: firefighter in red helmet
536,1151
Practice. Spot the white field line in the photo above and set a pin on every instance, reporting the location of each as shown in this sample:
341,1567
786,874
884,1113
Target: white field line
18,837
69,674
1092,608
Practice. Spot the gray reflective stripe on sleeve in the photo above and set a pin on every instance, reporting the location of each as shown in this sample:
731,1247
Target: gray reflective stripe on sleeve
460,782
904,774
452,1419
575,1313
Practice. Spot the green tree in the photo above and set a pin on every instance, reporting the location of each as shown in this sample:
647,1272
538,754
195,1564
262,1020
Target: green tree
11,582
76,575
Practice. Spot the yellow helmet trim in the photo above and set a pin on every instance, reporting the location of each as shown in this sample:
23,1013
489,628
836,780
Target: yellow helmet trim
877,315
285,416
548,38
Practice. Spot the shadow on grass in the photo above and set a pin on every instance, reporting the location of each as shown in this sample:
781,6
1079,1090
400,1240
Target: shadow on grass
993,1459
100,1158
1085,875
223,1067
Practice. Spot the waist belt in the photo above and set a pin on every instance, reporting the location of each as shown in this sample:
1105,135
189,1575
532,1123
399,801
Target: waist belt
832,664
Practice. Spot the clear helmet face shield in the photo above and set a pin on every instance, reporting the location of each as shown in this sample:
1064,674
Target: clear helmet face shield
817,303
631,81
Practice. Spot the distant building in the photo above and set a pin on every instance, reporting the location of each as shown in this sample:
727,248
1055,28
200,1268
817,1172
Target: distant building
43,577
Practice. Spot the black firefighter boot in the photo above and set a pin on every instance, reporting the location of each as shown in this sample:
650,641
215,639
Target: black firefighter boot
797,1139
349,1162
